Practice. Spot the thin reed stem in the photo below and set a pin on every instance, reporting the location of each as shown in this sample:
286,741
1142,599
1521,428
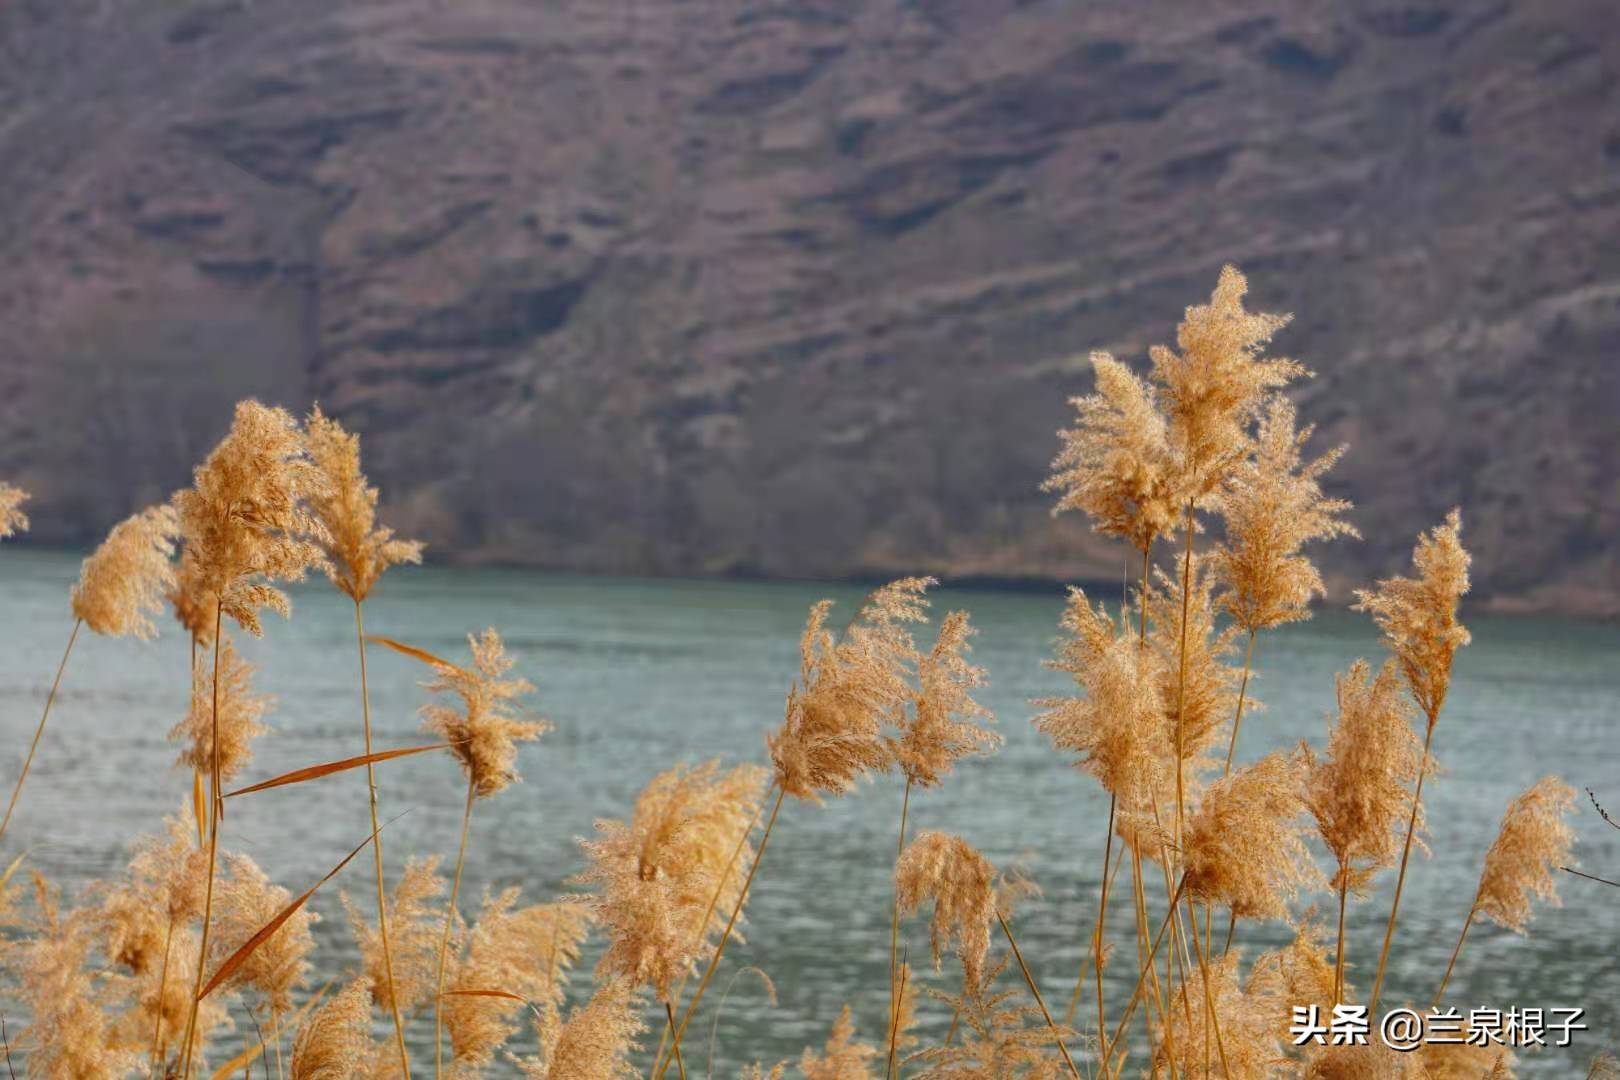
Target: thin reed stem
163,983
1210,1016
1400,879
1094,960
894,936
275,1032
1446,978
669,1015
1147,968
1243,692
449,920
40,730
376,846
1018,955
215,803
1141,979
719,950
1338,958
708,912
1181,676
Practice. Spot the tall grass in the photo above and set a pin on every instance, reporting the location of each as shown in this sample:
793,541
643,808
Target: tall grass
138,976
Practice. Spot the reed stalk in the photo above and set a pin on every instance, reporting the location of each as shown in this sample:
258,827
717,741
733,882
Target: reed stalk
215,805
376,846
1400,878
1095,958
1473,910
449,921
1210,1017
894,937
163,983
1141,980
1338,959
662,1066
669,1015
1035,991
1181,676
40,730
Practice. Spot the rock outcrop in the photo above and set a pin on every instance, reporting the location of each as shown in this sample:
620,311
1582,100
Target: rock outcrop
801,287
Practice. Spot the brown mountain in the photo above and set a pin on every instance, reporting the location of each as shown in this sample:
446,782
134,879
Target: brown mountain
802,287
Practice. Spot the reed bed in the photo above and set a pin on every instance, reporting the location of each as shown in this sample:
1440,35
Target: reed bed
192,962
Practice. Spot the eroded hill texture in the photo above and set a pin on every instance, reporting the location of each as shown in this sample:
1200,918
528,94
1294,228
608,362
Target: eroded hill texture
802,287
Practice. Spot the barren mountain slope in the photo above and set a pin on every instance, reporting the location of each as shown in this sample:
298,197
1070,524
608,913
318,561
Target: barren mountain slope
801,288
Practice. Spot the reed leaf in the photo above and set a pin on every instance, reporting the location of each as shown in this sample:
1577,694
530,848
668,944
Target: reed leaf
414,653
315,772
264,933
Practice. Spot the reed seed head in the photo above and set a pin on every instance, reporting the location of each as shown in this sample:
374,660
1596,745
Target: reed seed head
1117,727
357,549
1272,506
597,1040
415,922
1419,614
484,732
244,518
849,687
961,883
1360,790
1244,847
669,878
1116,465
334,1043
12,519
1197,684
244,902
1212,388
129,575
241,713
940,727
843,1058
1533,842
1247,1027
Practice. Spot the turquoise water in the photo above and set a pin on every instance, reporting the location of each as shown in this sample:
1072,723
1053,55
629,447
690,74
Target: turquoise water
640,674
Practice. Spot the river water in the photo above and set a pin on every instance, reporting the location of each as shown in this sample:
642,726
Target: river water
640,674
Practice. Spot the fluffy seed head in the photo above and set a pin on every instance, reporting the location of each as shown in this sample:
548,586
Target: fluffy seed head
961,883
659,875
357,550
522,951
129,575
940,726
415,921
1117,727
335,1041
244,520
843,1058
1244,848
1419,615
1197,683
1299,973
597,1040
12,519
848,688
1360,791
1115,464
1273,505
484,732
1248,1028
243,904
1211,390
241,712
1533,842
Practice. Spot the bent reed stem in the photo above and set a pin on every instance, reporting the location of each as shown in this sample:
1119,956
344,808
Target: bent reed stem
669,1014
662,1066
1446,978
1096,933
449,920
1400,879
376,846
1018,955
40,730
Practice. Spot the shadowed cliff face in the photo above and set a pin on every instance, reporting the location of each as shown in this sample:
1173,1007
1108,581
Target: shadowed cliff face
803,287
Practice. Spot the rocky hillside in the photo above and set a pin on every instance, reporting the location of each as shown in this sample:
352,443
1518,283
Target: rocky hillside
800,287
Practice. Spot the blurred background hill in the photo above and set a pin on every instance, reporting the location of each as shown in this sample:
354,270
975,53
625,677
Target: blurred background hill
801,288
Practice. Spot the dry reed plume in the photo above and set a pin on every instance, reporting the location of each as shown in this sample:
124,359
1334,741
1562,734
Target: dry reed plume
190,944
